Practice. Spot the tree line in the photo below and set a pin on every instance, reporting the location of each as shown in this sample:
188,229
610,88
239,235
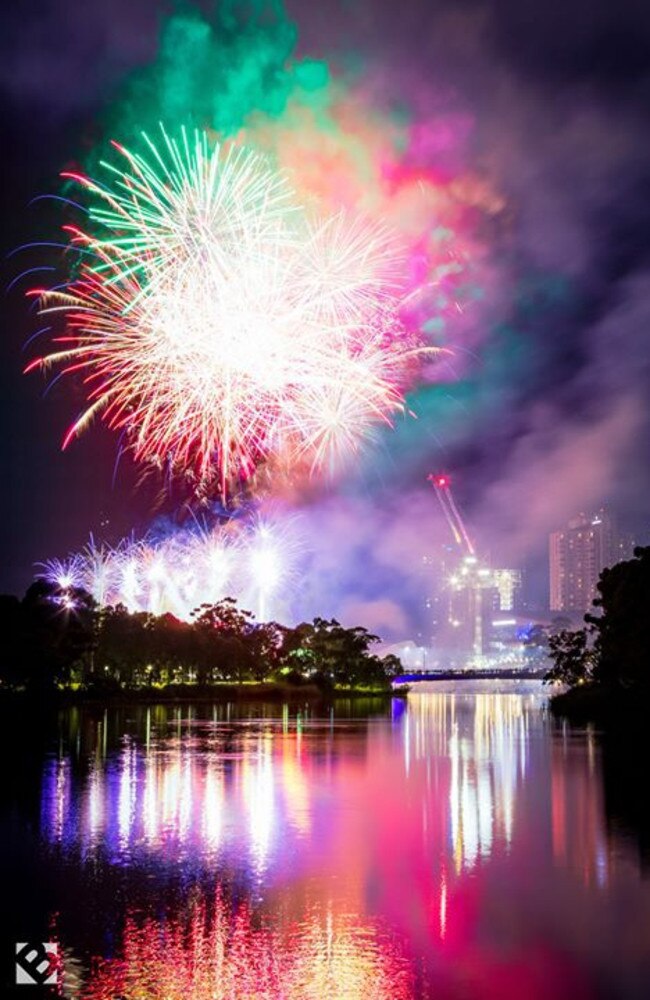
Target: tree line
59,637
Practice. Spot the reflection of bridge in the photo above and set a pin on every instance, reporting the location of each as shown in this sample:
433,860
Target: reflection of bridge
493,674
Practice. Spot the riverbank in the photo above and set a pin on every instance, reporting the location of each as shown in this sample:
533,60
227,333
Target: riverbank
221,693
593,703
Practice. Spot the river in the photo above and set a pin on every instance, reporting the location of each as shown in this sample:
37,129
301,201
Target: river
459,845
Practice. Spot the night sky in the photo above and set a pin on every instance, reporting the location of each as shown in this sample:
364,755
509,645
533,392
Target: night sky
558,101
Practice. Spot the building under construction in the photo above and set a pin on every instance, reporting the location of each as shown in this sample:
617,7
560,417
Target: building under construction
473,592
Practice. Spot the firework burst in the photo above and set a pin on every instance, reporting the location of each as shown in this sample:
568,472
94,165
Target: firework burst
253,560
218,325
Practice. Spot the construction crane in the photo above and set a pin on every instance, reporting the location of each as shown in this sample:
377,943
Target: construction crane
469,583
442,486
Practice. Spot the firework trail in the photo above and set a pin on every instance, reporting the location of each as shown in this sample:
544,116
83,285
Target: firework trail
218,325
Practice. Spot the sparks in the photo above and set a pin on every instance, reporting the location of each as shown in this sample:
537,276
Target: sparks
217,325
253,560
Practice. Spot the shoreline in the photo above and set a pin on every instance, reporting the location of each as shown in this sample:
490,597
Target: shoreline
185,694
589,703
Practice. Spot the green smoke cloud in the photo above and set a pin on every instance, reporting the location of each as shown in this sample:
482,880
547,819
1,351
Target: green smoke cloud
217,73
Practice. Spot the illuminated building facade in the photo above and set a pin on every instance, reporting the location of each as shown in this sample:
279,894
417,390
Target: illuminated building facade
476,592
577,556
471,600
508,585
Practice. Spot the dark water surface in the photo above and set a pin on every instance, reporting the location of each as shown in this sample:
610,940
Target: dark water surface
462,846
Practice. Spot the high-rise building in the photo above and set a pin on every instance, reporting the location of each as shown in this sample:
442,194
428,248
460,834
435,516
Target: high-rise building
508,585
577,556
472,598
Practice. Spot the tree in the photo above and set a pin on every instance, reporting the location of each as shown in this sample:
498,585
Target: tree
226,631
12,663
224,617
573,657
331,655
121,655
392,666
264,641
611,650
57,635
622,626
52,633
559,623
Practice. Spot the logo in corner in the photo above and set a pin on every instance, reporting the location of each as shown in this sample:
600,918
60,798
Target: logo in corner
37,964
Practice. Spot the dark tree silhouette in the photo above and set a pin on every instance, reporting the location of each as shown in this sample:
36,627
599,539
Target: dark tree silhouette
56,636
48,635
611,651
621,630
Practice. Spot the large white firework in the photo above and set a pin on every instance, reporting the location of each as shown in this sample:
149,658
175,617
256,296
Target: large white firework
219,324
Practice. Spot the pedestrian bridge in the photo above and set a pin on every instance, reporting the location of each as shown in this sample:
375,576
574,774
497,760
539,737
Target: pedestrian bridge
475,674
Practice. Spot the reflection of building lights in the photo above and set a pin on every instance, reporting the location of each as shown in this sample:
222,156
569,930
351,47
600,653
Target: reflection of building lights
234,805
486,751
185,801
578,838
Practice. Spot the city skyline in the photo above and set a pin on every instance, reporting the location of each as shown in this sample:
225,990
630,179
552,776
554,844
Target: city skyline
324,522
538,408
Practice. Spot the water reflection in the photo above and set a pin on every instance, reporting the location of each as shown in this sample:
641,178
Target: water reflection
577,814
455,847
482,737
215,953
193,790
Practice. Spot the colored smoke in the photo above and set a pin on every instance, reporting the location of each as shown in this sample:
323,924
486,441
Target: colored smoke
513,171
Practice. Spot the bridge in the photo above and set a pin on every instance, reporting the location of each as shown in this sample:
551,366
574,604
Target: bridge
529,674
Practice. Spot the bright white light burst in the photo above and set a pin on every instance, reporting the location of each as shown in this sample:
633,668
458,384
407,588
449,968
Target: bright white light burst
252,560
219,325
